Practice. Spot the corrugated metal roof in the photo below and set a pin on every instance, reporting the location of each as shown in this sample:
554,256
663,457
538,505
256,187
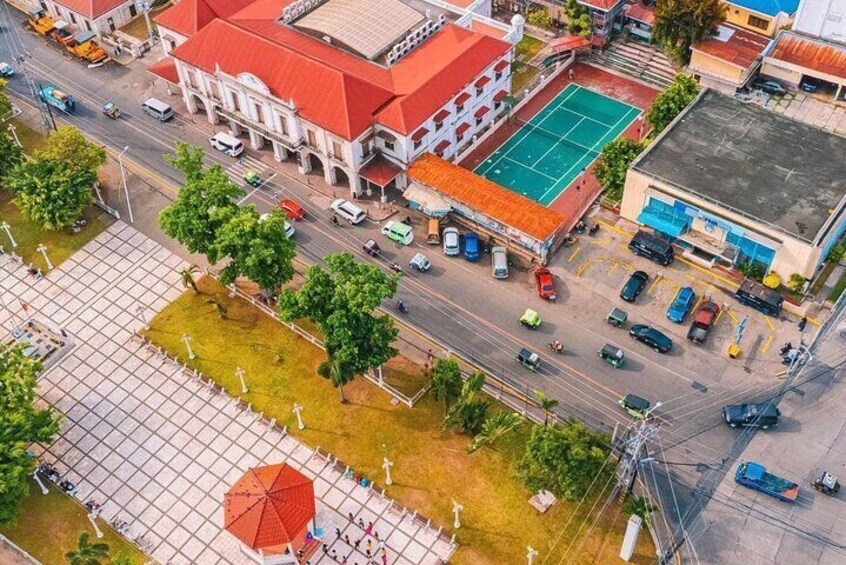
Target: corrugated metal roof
734,45
811,53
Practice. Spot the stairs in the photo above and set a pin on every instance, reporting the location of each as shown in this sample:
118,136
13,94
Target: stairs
639,60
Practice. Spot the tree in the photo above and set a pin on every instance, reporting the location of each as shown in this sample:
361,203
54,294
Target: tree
20,425
682,23
671,102
120,559
69,147
5,103
205,203
578,19
539,18
796,282
614,163
469,412
50,193
639,506
547,404
11,154
257,248
494,428
187,276
87,553
446,381
564,460
341,299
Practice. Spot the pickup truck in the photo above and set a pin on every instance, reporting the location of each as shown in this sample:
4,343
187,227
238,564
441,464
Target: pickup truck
703,321
58,99
755,476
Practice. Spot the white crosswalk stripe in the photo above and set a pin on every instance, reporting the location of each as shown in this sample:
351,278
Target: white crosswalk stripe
246,163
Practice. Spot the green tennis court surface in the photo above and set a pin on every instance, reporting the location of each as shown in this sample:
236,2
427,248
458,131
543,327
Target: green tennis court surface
544,156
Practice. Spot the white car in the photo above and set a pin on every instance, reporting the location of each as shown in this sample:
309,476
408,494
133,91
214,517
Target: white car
348,211
6,70
452,242
289,229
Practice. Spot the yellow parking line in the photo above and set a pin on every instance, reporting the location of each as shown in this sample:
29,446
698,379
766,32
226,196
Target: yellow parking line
573,254
614,228
719,315
623,246
733,283
583,267
800,314
613,268
654,284
767,342
733,317
769,323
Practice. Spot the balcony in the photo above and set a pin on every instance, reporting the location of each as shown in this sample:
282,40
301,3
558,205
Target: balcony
263,130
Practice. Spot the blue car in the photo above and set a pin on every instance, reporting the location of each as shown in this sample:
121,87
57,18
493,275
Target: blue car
682,305
471,246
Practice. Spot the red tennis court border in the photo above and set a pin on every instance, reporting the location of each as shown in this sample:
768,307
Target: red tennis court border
571,203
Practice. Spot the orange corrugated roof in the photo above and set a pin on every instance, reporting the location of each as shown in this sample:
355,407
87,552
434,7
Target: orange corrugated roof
269,506
90,8
641,13
480,194
811,53
742,48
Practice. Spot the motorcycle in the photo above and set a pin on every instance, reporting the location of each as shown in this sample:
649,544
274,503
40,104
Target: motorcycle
396,267
570,240
556,346
785,348
580,227
402,307
593,229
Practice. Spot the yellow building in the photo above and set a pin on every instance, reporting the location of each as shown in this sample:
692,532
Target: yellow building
761,16
731,182
726,61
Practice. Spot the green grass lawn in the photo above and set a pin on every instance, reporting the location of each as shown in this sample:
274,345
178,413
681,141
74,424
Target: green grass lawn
30,139
838,288
49,526
521,75
431,467
529,47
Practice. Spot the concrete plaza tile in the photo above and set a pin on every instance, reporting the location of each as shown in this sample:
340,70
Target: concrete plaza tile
165,477
179,462
179,486
178,511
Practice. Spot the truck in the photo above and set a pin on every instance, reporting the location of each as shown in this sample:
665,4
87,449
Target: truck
61,33
755,476
41,22
58,99
83,46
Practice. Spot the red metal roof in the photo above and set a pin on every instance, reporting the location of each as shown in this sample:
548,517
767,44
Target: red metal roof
482,81
379,170
190,16
512,209
441,116
641,13
481,111
419,134
166,69
811,53
569,42
90,8
604,5
441,147
500,95
461,99
501,66
735,46
464,126
487,29
269,506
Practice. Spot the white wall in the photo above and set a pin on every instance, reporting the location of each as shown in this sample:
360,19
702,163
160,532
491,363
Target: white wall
824,18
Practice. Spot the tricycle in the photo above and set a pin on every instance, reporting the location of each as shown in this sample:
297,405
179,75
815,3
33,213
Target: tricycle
530,319
111,110
612,355
252,178
371,248
826,483
529,359
617,317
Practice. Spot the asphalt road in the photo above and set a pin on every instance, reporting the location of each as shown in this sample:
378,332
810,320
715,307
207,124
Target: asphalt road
457,303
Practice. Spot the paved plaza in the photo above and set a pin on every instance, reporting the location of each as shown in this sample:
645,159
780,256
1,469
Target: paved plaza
152,443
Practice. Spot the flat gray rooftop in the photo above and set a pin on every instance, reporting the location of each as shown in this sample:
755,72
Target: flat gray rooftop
783,172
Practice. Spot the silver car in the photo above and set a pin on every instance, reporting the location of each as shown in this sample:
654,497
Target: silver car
452,242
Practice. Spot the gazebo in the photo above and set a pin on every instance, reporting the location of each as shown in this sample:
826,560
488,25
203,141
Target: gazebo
271,511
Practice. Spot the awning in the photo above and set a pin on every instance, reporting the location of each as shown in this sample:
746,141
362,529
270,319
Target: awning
419,134
430,203
481,111
441,147
671,226
482,82
569,42
500,95
379,171
462,128
386,135
462,98
501,66
441,116
166,69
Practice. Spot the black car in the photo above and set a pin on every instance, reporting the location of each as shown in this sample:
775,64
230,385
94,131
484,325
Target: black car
772,87
634,286
651,337
809,84
761,416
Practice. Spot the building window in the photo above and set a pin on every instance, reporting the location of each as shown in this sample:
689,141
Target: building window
459,108
72,17
497,76
283,125
111,23
259,114
88,27
459,136
214,91
438,126
479,91
389,145
366,149
312,139
336,151
760,23
418,144
479,120
133,11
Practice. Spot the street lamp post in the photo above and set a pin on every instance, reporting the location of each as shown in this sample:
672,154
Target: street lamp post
531,554
14,133
651,410
386,465
298,411
40,484
93,519
43,250
7,227
187,341
139,311
456,508
123,181
240,373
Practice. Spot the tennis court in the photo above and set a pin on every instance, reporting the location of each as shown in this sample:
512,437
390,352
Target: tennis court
549,151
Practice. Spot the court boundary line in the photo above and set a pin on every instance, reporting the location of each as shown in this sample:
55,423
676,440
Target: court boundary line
553,179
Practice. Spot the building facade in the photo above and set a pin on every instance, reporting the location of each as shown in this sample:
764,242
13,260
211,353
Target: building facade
100,16
761,16
311,82
728,60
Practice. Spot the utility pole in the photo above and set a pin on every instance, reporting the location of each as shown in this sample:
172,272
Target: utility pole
632,451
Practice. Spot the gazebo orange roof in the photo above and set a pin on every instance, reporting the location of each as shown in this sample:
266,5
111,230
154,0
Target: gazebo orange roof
269,506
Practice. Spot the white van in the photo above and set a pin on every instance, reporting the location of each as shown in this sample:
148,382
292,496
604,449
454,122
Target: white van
348,211
499,262
227,144
157,109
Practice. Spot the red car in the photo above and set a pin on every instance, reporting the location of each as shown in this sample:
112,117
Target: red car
546,284
293,210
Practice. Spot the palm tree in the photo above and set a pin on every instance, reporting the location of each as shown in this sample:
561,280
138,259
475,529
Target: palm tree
187,275
547,404
446,381
338,372
87,553
219,307
469,414
639,506
494,428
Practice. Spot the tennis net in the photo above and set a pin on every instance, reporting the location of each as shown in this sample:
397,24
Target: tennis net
560,139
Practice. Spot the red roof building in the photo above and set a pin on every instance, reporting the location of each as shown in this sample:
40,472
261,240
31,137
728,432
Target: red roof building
727,60
795,56
269,509
98,16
